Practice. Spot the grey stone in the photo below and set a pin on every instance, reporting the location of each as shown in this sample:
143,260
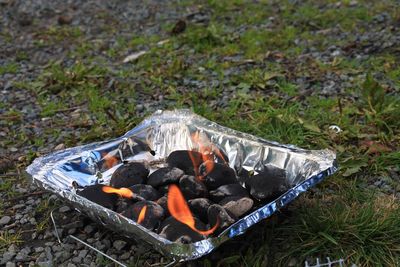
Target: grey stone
88,229
45,264
139,108
62,256
77,259
13,248
10,264
71,231
5,220
292,262
7,256
22,254
125,256
64,209
119,244
49,255
57,248
87,259
83,253
39,249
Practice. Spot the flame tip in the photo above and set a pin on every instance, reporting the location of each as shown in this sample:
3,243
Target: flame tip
179,209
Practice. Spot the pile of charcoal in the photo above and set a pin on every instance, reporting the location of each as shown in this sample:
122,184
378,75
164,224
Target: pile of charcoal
196,195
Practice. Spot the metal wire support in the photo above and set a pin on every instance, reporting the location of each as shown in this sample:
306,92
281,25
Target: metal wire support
172,263
328,263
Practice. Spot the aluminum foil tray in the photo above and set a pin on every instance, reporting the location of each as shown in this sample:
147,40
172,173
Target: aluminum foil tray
164,132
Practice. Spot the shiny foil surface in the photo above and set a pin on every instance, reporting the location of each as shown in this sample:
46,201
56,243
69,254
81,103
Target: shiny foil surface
62,172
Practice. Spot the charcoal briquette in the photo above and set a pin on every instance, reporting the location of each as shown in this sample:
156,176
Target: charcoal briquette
269,183
228,190
153,215
199,207
183,160
163,190
176,231
162,201
123,204
95,193
129,174
217,214
237,206
144,192
220,174
192,187
164,176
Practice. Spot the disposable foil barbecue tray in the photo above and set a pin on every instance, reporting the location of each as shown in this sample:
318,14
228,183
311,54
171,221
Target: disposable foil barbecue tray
64,172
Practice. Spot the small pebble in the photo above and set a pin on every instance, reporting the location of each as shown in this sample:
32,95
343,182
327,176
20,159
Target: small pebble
64,209
119,244
5,220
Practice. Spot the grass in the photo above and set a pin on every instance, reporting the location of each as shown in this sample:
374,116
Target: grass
254,49
10,68
6,239
354,225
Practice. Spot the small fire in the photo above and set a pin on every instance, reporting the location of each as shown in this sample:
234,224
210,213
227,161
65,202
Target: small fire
142,214
207,150
179,209
109,160
122,192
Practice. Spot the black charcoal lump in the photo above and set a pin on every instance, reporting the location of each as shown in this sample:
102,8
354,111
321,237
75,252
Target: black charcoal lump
153,215
129,174
162,201
217,214
268,183
144,192
123,204
183,160
237,206
199,207
95,193
164,176
220,174
192,187
228,190
176,231
163,190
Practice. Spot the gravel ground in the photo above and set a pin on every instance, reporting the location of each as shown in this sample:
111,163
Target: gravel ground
23,23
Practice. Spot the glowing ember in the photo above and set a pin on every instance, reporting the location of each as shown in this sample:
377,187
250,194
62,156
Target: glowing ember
142,214
179,209
122,192
109,160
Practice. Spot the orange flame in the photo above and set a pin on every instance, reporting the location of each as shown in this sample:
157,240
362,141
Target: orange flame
122,192
142,214
195,161
109,160
207,150
179,209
